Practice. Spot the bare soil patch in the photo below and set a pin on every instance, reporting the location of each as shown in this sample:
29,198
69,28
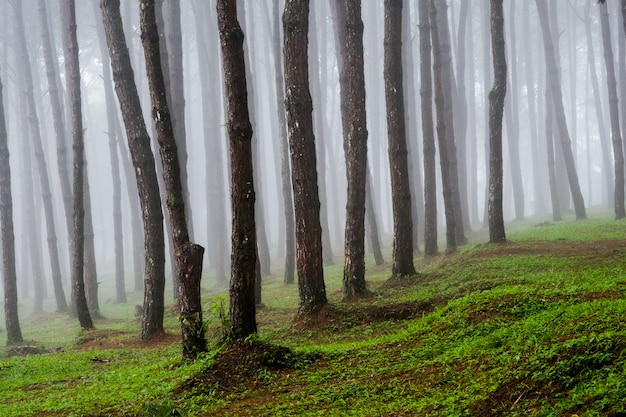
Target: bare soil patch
557,248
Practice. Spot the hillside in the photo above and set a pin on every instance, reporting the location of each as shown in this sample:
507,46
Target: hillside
533,327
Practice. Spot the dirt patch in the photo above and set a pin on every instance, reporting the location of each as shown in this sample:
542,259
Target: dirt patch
243,366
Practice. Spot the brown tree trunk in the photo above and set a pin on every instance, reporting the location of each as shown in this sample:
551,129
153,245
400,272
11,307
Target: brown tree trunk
143,161
118,236
311,285
352,90
496,111
187,254
242,194
290,235
400,184
554,87
442,132
72,72
9,275
616,134
428,134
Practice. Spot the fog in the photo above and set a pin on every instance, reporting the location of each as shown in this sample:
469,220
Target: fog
582,82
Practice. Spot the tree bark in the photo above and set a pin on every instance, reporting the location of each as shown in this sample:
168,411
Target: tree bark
285,170
554,87
616,134
187,254
312,289
352,90
442,132
143,161
9,274
428,134
496,111
242,193
72,73
400,184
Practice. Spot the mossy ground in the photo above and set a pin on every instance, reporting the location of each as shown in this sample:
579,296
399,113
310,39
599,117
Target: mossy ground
533,327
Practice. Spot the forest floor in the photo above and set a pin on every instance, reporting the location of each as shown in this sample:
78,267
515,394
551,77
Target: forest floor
533,327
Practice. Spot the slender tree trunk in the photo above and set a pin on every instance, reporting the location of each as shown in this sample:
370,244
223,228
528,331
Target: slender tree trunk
400,183
372,222
554,87
285,169
39,155
352,90
410,114
118,235
428,133
496,111
188,255
512,121
143,161
550,123
442,132
244,244
321,148
447,77
311,285
616,134
9,274
72,72
472,138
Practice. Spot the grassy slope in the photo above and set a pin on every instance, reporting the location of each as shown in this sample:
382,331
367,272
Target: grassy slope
531,328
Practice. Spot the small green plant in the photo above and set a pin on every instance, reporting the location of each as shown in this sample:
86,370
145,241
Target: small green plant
219,312
168,409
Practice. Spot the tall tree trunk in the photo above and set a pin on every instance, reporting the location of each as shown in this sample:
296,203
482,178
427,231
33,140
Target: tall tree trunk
616,134
311,285
177,103
400,184
143,161
118,235
285,170
428,133
9,274
372,223
188,255
472,138
554,87
447,77
352,90
39,155
442,132
318,125
496,111
410,114
512,121
217,233
550,124
242,194
72,73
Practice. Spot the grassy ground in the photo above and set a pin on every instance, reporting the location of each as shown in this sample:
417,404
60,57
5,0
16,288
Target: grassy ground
533,327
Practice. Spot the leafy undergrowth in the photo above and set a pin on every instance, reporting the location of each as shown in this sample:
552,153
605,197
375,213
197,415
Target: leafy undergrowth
533,327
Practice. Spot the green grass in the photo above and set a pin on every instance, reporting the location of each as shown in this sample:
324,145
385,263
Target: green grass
530,328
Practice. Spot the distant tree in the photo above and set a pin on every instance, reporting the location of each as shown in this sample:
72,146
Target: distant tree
554,87
496,112
242,193
188,255
624,15
400,183
616,134
311,285
112,122
352,92
285,169
143,161
72,71
9,274
442,131
35,134
428,134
